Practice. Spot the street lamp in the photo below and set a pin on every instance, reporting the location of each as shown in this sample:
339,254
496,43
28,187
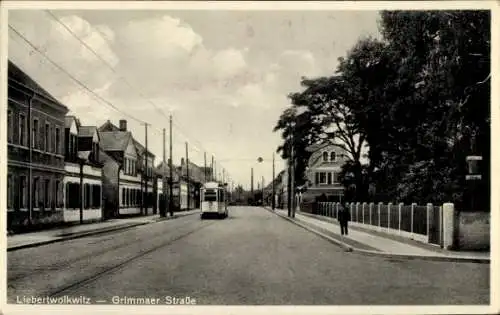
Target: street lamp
473,178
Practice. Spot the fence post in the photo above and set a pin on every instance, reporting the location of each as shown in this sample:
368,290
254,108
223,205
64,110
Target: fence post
448,225
330,213
358,204
379,206
428,210
413,205
400,208
336,210
389,206
363,212
371,212
351,210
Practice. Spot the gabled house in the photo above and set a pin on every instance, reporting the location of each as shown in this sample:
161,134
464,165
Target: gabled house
141,156
122,179
83,173
324,167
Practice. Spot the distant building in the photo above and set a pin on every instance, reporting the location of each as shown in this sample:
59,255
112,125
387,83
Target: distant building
324,167
82,165
35,153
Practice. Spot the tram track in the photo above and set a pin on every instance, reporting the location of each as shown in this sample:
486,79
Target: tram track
81,282
65,277
103,250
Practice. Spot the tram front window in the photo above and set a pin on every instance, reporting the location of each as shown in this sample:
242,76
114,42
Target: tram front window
210,195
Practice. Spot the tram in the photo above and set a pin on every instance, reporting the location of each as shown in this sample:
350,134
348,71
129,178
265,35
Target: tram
213,200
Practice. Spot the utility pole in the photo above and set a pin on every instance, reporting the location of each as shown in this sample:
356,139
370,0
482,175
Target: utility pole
187,176
292,176
212,170
251,182
273,202
30,170
171,180
223,176
205,166
164,186
262,190
289,177
215,172
146,171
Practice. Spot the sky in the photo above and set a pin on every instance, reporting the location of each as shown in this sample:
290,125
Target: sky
224,76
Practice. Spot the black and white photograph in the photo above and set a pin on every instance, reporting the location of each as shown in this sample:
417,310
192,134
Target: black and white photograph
169,158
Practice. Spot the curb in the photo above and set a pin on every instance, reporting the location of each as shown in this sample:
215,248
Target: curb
346,247
349,248
90,233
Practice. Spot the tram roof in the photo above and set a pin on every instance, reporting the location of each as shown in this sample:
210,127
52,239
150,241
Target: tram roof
213,185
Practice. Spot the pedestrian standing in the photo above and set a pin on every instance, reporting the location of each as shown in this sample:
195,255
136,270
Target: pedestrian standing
344,217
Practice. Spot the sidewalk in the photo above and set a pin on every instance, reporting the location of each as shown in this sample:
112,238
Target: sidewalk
25,240
370,243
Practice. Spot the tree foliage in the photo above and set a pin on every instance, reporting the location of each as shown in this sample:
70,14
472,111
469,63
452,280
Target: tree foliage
420,98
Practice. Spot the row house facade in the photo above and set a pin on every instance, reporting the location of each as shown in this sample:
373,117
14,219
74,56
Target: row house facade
83,178
35,150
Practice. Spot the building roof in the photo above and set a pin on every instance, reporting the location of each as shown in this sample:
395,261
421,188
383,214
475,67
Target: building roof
19,76
318,146
68,121
87,131
114,140
108,126
164,166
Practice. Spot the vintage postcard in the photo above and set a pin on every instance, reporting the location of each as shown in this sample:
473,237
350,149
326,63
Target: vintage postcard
249,157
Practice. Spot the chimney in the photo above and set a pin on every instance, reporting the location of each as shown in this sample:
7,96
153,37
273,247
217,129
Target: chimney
123,125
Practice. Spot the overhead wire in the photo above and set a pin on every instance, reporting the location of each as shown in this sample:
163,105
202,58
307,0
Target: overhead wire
159,109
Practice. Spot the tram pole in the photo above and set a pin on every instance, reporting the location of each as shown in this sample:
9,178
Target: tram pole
273,202
171,180
205,165
187,177
163,186
146,172
212,170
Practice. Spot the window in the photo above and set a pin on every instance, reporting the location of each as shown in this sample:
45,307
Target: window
9,191
333,156
23,192
123,196
34,134
73,196
22,130
46,196
46,138
10,127
36,193
335,177
316,178
329,178
58,141
87,195
210,195
325,156
96,196
322,178
56,194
